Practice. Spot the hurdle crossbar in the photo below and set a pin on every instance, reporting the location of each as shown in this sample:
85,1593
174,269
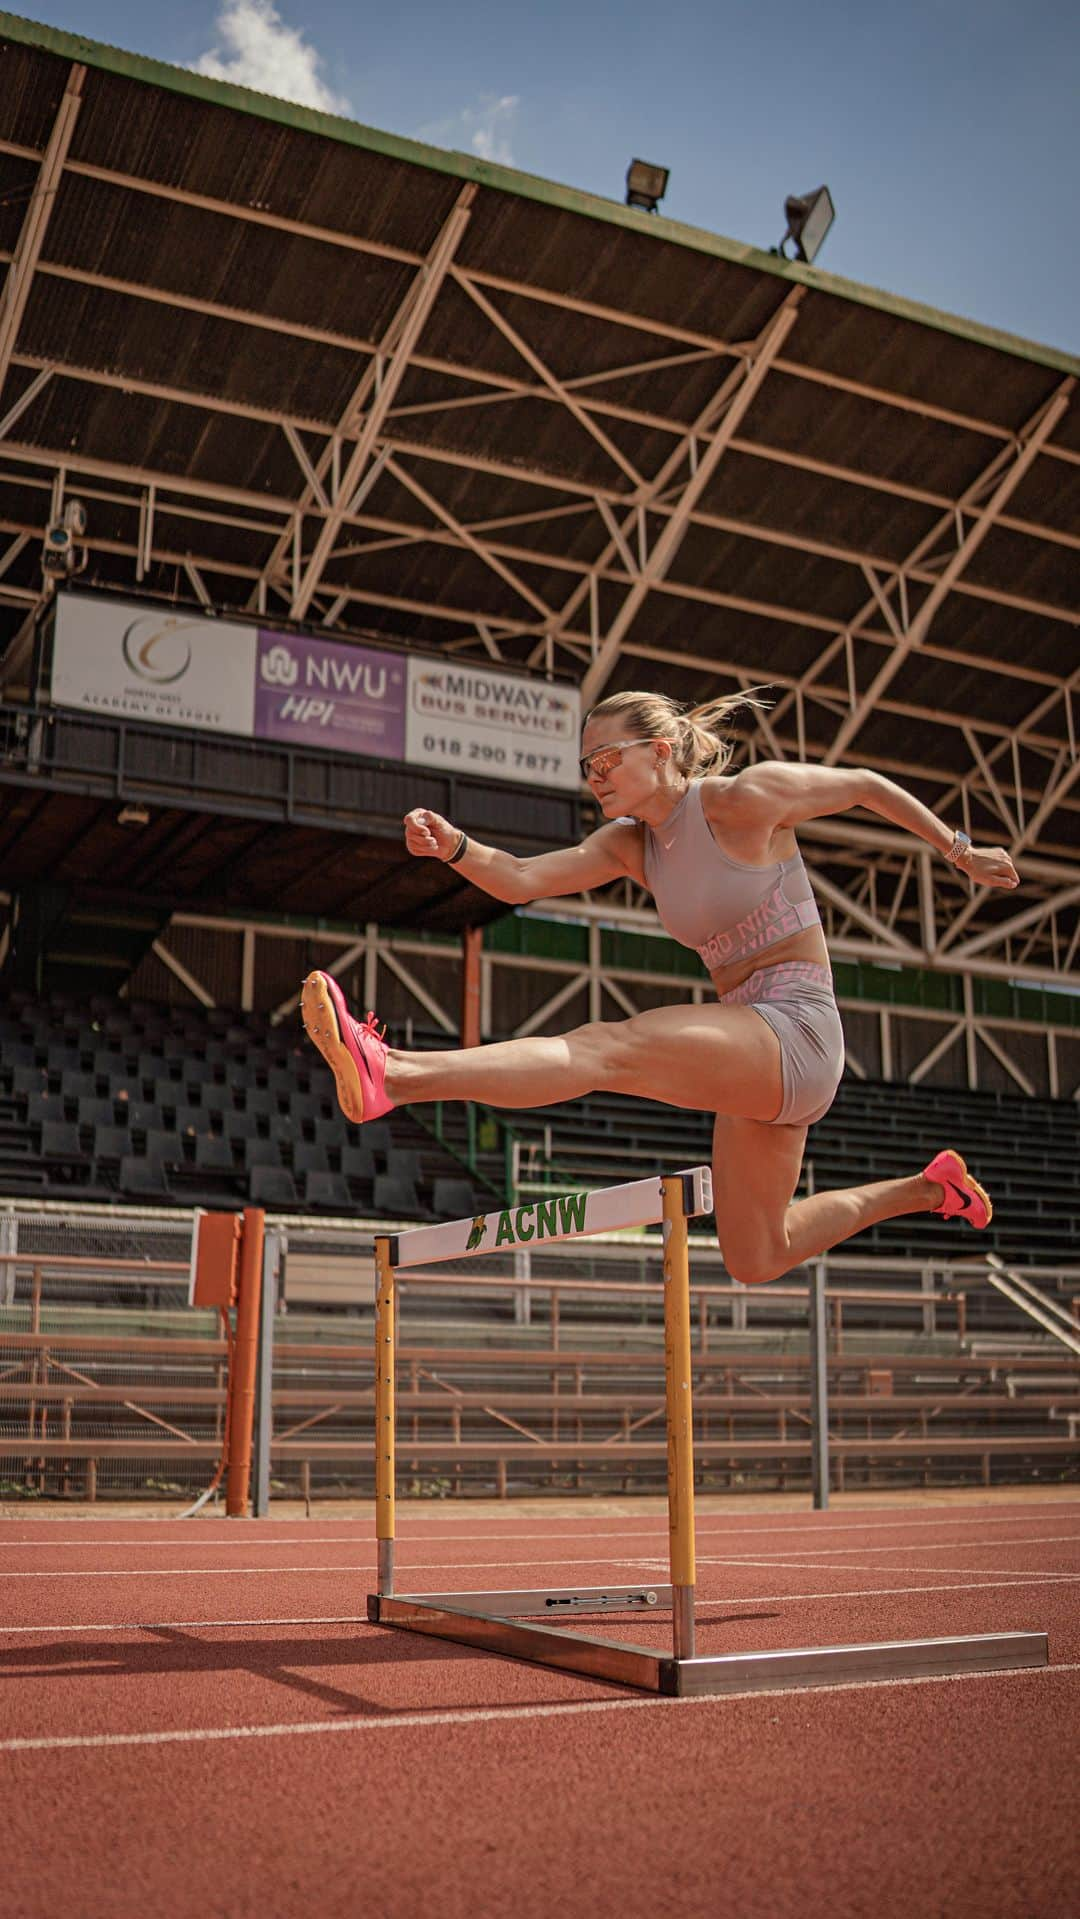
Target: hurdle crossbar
520,1623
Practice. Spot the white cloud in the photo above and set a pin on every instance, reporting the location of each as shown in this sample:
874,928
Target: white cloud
257,49
489,126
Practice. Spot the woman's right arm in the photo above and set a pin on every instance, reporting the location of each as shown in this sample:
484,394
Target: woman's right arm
607,854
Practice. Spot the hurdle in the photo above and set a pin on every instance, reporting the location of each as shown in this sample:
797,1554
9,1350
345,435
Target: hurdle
506,1622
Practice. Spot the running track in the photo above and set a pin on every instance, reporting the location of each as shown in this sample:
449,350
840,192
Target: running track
197,1719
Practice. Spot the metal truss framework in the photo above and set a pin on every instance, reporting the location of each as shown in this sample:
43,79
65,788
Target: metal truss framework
1016,781
598,989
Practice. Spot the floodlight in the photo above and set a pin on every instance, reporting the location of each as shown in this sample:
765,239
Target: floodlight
58,551
809,217
59,554
646,185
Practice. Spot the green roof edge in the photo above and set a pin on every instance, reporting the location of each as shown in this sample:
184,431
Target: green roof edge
76,47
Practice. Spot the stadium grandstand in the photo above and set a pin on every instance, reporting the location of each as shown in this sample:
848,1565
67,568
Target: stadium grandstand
339,475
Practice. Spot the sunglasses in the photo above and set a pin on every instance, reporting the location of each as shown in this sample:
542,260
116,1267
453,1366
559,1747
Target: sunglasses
603,759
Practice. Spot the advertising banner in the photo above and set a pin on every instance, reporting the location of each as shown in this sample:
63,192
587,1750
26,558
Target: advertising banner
141,663
348,699
181,669
466,719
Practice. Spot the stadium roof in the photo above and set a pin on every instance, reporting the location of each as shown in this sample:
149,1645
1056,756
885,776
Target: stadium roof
306,370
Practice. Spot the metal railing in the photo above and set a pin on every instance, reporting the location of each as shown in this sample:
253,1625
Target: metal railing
111,1384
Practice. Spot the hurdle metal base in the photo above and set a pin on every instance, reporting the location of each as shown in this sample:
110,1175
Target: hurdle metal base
501,1622
540,1602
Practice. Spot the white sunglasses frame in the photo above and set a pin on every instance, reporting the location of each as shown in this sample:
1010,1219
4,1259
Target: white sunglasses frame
611,747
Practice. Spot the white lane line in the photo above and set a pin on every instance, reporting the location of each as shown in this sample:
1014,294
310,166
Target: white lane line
193,1572
1005,1573
704,1529
189,1625
926,1546
774,1561
870,1592
1009,1584
276,1572
486,1715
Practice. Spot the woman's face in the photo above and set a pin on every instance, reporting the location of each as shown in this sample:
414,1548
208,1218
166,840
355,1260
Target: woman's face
623,773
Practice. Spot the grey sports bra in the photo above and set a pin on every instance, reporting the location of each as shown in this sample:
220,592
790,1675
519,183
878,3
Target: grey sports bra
705,899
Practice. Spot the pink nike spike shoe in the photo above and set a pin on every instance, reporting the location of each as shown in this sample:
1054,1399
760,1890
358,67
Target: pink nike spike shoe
355,1052
964,1197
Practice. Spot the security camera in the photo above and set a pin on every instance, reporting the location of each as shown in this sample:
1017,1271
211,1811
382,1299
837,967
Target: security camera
60,556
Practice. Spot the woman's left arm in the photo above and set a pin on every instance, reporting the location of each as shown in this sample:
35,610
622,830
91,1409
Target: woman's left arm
792,794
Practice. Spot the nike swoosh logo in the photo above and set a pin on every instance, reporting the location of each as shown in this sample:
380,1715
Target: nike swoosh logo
964,1198
668,844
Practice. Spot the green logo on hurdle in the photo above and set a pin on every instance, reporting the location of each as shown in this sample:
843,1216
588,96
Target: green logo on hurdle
543,1219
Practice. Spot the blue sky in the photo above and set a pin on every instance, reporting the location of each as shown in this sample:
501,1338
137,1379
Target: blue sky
946,129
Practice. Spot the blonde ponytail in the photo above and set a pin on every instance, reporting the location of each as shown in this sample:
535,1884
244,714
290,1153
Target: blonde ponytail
697,734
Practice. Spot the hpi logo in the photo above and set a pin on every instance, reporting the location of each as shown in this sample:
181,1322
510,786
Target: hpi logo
278,668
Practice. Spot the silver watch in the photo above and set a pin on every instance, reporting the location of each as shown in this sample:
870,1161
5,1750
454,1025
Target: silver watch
960,847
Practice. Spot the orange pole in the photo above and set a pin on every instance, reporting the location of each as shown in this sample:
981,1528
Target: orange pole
680,1417
385,1410
242,1382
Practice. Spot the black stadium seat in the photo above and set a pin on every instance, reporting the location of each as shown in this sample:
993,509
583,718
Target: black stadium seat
144,1178
273,1186
329,1191
262,1152
310,1159
111,1142
358,1162
396,1195
166,1147
455,1199
59,1140
29,1079
213,1153
403,1163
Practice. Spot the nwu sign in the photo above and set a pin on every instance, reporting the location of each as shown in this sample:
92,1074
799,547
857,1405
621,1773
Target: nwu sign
323,693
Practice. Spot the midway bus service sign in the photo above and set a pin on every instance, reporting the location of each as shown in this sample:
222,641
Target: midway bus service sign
174,668
466,719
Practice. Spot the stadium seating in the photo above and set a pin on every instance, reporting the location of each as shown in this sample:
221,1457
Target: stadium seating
875,1130
183,1105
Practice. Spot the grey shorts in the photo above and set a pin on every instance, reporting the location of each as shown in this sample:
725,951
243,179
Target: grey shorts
796,999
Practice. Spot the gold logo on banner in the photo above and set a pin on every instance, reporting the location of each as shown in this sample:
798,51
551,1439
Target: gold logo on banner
162,655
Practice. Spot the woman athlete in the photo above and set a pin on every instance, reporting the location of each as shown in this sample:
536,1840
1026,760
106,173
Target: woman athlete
719,855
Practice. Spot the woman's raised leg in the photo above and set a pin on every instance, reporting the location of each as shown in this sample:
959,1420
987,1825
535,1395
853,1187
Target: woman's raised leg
716,1058
762,1235
691,1056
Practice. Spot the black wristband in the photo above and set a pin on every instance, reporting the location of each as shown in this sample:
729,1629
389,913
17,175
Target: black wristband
459,851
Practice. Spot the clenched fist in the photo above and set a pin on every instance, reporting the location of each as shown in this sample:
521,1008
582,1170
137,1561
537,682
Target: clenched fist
428,835
989,866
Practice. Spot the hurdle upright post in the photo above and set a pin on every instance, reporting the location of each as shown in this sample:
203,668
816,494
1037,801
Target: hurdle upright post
385,1442
680,1416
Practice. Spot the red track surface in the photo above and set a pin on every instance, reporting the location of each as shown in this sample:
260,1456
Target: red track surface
196,1718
